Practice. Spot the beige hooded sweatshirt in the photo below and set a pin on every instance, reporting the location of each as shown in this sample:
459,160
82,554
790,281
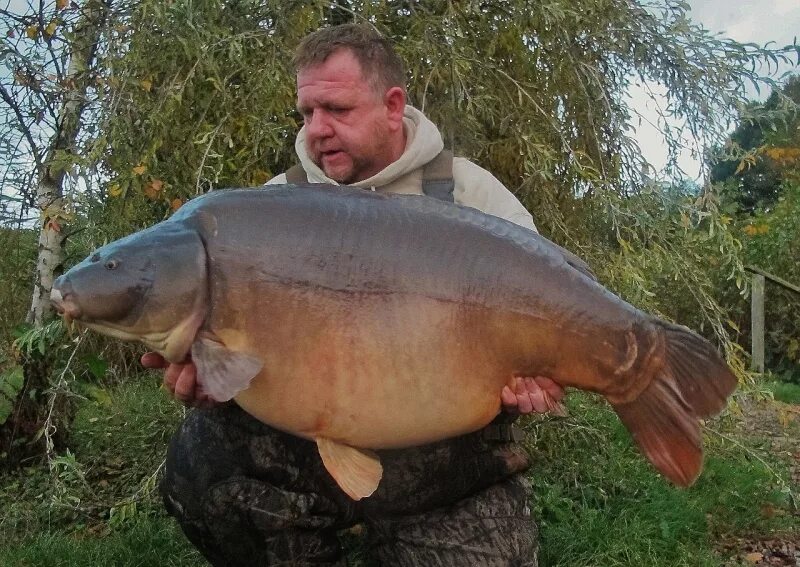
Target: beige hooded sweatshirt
474,186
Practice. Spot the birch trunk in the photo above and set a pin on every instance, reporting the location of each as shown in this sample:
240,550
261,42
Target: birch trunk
50,186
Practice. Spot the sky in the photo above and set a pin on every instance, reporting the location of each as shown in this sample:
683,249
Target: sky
756,21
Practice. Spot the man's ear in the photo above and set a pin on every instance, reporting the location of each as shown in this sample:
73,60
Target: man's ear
395,102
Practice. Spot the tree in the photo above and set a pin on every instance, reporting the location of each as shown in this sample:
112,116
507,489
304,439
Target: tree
761,147
762,191
47,54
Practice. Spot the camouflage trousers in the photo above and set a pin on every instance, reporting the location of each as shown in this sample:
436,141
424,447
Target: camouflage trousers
247,494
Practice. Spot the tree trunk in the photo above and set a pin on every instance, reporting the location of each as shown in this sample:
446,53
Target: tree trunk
50,187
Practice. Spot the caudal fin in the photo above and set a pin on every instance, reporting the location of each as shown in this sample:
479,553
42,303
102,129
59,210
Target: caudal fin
664,420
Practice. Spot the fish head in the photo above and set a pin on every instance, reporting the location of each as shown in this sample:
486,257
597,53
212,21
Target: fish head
150,286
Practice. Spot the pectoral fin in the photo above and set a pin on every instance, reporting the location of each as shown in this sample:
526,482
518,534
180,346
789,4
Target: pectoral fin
222,372
356,471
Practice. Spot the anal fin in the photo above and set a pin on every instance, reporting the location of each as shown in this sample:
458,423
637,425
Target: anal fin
357,471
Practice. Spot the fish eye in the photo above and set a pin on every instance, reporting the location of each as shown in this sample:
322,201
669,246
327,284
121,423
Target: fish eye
111,264
95,258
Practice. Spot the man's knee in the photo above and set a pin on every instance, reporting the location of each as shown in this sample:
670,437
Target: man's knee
493,528
201,453
234,487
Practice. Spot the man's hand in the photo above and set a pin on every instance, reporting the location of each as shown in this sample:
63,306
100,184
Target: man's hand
529,395
180,380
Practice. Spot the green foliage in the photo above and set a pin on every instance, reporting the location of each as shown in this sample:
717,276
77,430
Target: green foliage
150,540
16,273
57,369
759,183
201,96
38,341
104,479
770,235
752,173
10,387
772,243
785,392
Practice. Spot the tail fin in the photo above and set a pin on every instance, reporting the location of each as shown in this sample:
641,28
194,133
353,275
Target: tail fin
694,383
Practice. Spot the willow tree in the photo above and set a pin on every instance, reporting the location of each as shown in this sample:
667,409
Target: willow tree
203,97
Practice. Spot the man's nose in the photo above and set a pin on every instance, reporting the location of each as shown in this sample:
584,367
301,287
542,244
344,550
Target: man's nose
318,125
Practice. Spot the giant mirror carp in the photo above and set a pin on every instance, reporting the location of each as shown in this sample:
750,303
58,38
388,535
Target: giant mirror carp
365,321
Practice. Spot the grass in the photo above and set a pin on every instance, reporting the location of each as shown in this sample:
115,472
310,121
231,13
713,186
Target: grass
149,540
600,503
96,503
597,500
785,392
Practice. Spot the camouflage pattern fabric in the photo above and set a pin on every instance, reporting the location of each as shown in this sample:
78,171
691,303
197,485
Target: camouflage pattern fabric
247,494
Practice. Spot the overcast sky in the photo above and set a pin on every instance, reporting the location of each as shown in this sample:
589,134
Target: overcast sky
750,20
757,21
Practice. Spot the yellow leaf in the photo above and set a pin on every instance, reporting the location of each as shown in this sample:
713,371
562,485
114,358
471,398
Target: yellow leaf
50,30
176,204
32,32
786,417
754,557
115,190
61,4
152,189
139,169
146,84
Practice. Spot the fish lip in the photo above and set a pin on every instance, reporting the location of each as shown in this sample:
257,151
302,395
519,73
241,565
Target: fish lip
65,306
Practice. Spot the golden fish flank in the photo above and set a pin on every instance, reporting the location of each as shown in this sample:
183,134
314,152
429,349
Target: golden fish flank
367,321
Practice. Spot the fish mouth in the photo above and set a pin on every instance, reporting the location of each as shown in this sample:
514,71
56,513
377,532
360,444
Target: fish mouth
65,305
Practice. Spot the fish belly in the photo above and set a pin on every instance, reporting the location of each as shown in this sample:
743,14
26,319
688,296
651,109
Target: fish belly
375,370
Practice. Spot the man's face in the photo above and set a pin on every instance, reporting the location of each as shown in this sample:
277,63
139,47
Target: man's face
352,132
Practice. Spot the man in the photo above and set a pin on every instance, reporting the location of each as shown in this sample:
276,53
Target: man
246,494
